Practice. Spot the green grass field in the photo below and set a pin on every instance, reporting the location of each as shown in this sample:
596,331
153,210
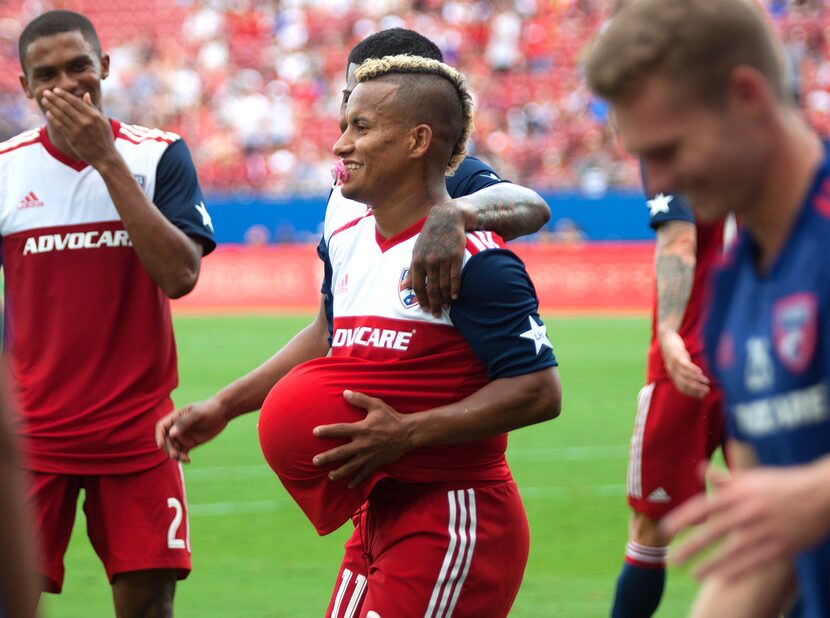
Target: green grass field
255,555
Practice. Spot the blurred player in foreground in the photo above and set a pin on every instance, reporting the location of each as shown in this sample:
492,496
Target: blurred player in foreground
679,418
479,200
444,531
101,223
700,92
18,583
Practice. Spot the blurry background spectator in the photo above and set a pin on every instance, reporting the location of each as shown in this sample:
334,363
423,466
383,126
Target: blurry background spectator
566,230
254,85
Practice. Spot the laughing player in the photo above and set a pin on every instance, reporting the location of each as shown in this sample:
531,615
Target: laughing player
421,428
700,92
101,222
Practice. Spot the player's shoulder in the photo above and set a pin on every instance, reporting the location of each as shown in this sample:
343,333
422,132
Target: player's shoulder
667,207
341,211
483,240
487,253
21,140
137,134
471,175
471,165
355,224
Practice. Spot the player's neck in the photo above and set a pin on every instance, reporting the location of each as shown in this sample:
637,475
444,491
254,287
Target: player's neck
407,206
788,179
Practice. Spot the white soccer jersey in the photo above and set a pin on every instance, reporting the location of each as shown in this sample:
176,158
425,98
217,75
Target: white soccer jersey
87,330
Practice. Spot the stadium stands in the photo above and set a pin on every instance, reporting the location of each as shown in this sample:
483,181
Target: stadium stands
254,85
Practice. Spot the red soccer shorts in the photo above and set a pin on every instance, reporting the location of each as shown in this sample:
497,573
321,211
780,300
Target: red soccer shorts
673,433
135,521
434,551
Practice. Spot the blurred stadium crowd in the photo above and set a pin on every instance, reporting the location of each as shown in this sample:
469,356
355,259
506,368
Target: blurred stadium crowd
254,85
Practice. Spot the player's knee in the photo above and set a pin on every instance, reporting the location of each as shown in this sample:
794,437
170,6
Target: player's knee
646,531
144,594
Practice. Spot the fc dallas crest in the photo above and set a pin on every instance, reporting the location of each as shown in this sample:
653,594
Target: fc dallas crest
794,329
405,293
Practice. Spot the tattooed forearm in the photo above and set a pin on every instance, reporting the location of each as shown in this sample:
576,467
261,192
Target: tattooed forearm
509,210
675,274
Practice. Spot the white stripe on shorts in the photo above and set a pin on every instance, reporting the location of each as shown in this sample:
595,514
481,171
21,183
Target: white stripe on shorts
456,565
635,457
186,509
345,578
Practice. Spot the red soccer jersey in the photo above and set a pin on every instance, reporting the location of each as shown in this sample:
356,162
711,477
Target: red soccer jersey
87,331
710,242
384,346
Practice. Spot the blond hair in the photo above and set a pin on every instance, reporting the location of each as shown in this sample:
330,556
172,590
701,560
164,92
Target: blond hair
404,64
693,44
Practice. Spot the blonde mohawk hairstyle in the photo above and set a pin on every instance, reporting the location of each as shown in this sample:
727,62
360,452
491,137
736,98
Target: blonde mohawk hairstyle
374,68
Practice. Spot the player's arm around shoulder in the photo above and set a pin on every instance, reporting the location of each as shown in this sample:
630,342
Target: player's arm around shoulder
481,200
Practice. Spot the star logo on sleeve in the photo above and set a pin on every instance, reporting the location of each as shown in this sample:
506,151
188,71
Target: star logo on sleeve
206,220
659,203
538,334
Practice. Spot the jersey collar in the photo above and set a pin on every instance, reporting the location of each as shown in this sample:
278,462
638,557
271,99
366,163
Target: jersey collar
387,243
69,161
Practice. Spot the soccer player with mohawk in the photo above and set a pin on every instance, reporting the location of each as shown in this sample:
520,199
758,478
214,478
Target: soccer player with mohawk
403,428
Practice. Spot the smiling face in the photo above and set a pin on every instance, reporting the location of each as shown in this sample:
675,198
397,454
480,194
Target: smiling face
67,61
374,146
711,154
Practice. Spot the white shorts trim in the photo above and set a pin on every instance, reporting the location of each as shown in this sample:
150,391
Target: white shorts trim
456,565
634,482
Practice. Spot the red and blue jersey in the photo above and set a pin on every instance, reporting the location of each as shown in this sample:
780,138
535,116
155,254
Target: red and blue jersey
768,342
87,332
710,243
385,346
471,176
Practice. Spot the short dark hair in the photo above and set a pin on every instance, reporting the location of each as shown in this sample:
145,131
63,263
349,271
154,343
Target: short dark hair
394,42
57,22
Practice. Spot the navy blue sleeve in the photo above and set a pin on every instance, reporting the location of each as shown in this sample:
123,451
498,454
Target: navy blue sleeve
497,313
471,176
665,208
179,197
325,289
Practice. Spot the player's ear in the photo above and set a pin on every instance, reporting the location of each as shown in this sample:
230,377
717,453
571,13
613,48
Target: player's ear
420,140
105,66
749,89
24,83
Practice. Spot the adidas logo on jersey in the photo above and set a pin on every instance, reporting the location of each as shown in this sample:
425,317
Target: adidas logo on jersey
659,495
77,240
30,201
369,337
343,285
